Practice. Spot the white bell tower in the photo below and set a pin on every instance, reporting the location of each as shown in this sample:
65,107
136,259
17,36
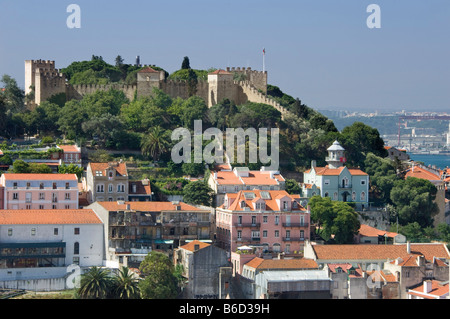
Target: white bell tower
335,157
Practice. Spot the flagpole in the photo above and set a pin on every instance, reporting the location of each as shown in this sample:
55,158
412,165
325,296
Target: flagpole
264,60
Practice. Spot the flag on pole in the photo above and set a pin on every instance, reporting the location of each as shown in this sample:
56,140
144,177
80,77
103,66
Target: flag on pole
264,51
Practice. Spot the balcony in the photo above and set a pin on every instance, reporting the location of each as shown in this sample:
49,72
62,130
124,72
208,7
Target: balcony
248,239
291,239
295,224
254,225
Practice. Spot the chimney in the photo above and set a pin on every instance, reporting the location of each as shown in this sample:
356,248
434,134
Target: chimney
427,286
408,247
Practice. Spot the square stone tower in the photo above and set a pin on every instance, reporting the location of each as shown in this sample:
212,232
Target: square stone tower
221,86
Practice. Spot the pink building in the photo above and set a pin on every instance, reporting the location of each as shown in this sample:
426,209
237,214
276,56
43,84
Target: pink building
273,220
39,191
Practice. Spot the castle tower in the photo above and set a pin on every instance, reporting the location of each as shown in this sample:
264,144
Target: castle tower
220,87
335,158
42,77
147,79
257,78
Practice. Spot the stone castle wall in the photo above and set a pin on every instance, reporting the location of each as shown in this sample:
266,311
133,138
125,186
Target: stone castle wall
49,81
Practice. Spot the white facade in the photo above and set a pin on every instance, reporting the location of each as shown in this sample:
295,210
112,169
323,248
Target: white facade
38,255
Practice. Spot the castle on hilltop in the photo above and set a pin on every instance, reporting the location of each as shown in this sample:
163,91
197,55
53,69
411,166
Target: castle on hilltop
42,77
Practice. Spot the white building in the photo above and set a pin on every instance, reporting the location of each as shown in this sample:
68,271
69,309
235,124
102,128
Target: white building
336,180
38,246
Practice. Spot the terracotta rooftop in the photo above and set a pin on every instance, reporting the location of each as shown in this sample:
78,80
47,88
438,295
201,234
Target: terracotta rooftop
271,203
275,264
141,188
69,148
39,177
220,71
191,245
368,231
422,173
48,216
378,252
335,171
253,178
345,267
148,70
120,168
147,206
438,289
380,275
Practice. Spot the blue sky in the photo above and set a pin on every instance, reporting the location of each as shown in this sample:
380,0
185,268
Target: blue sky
320,51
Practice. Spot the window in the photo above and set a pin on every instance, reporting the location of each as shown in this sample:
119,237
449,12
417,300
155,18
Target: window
354,196
277,233
242,204
41,206
110,188
41,196
363,182
41,185
239,220
28,185
76,248
67,186
255,234
253,220
326,182
15,195
277,220
76,260
100,188
14,185
363,196
265,219
285,205
27,197
54,198
326,194
33,231
288,234
10,231
67,206
67,196
28,206
302,234
98,173
54,186
335,196
264,233
53,206
120,188
76,231
239,234
55,231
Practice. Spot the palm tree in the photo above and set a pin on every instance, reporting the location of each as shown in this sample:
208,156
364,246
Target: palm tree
95,284
155,142
126,285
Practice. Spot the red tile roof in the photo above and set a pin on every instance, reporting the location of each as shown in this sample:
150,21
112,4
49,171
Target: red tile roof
271,203
220,71
335,171
294,263
141,188
422,173
191,245
48,216
39,177
69,148
148,70
368,231
253,178
346,267
148,206
121,168
438,289
378,252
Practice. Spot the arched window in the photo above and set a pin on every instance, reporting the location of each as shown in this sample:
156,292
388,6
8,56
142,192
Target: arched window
76,248
354,196
326,194
335,196
363,196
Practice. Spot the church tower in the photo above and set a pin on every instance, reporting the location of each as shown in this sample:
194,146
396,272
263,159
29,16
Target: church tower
335,158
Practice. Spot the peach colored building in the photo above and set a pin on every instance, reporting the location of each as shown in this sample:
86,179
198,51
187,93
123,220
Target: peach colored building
71,154
273,220
224,180
39,191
